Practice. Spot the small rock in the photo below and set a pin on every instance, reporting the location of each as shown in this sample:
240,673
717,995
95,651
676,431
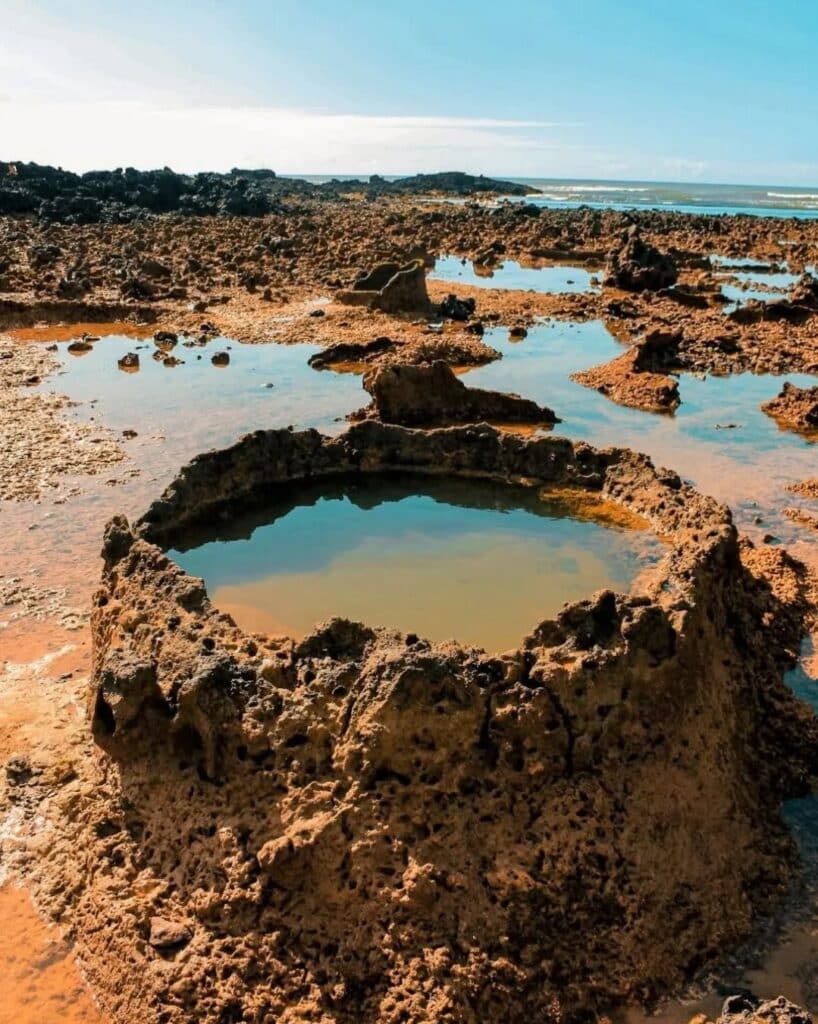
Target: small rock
80,346
129,362
168,934
18,770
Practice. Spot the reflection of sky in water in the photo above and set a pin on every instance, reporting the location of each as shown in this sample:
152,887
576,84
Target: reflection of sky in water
509,274
454,559
210,405
770,285
747,465
197,406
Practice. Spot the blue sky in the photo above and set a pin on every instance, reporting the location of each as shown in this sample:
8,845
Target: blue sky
718,91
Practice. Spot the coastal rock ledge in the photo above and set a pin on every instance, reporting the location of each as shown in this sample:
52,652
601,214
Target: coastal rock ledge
361,826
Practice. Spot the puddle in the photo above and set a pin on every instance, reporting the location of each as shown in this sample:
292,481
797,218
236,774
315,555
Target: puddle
452,559
181,411
197,405
741,286
41,982
552,279
718,438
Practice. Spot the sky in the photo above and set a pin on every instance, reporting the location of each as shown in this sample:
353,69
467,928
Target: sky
715,91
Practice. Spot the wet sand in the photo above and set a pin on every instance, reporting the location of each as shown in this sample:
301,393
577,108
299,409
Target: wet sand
41,980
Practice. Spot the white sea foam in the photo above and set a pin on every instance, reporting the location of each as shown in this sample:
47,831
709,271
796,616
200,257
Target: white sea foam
597,188
793,195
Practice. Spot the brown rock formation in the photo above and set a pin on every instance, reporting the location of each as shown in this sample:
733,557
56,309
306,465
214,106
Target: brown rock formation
433,395
637,377
794,407
636,265
459,350
746,1009
806,488
392,289
364,827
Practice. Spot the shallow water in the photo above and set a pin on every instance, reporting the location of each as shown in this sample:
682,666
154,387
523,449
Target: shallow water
758,285
718,438
447,560
263,386
552,279
41,982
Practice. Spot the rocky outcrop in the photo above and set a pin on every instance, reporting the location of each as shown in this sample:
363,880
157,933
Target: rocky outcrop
345,352
747,1009
122,195
362,826
457,351
432,395
794,407
453,308
129,362
637,378
391,289
798,308
804,292
636,265
455,183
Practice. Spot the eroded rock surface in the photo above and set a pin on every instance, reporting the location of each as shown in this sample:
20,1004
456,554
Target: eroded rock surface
636,265
456,351
433,395
794,407
746,1009
391,288
362,826
637,377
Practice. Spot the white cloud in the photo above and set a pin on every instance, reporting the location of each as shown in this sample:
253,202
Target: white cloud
83,134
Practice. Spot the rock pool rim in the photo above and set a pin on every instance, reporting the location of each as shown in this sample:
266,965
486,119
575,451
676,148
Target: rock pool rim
353,734
221,483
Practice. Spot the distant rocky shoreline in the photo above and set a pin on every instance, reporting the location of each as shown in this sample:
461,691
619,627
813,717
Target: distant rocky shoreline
122,195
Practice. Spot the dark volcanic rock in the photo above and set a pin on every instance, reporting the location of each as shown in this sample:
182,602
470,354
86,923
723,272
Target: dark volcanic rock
453,308
448,182
638,266
433,395
125,195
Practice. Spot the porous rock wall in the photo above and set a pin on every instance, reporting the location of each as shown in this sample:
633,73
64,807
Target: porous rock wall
363,826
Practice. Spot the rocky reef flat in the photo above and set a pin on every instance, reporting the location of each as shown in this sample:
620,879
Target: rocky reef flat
360,824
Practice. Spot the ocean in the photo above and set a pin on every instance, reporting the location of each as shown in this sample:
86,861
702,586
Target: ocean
687,197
